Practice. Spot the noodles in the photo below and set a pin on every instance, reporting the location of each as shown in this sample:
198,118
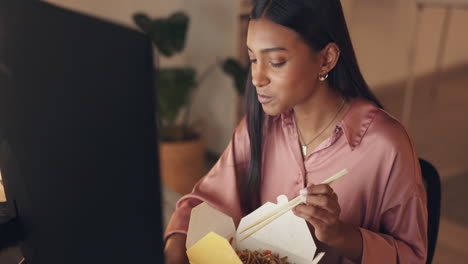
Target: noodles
260,257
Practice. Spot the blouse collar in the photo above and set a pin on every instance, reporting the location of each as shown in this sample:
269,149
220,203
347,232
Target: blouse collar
354,124
357,120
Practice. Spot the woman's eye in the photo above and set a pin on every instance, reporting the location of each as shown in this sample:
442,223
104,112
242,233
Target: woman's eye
277,65
253,60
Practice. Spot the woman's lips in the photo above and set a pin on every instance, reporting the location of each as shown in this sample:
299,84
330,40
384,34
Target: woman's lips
263,99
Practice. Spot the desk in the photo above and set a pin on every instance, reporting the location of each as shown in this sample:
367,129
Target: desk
448,5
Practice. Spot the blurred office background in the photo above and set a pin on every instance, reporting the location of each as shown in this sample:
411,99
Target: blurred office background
382,33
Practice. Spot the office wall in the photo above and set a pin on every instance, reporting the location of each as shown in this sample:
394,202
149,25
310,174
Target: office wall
380,30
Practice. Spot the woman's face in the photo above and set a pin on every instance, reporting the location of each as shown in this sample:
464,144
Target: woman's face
284,68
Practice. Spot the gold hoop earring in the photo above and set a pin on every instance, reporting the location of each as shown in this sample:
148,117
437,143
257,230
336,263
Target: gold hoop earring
323,76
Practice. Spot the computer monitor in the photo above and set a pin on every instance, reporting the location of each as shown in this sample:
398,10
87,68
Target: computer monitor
77,109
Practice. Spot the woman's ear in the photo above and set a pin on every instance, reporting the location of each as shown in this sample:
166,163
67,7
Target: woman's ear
330,56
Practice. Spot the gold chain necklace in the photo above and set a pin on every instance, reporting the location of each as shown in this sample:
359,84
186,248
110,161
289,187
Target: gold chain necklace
304,147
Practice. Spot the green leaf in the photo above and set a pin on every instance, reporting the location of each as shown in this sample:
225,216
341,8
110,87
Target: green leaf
238,73
178,24
167,34
160,34
174,87
143,22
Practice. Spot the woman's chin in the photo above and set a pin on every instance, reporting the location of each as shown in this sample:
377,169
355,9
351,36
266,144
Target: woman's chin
271,111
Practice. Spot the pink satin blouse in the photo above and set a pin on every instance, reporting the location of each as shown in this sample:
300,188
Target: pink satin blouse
382,194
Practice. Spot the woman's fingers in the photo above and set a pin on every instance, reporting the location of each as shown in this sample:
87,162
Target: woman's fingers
313,221
321,195
311,213
321,209
323,189
326,202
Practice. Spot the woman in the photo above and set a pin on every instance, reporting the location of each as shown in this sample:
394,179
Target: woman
310,114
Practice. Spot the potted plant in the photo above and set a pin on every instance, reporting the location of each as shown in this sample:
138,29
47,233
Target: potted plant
182,151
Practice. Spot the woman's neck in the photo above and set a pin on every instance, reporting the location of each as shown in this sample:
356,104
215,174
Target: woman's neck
314,114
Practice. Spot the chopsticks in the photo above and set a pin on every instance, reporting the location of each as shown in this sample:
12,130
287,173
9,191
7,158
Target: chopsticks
262,222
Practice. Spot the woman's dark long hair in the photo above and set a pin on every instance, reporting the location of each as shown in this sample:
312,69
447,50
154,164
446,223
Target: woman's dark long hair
318,22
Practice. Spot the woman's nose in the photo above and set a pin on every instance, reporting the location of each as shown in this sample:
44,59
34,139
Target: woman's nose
259,78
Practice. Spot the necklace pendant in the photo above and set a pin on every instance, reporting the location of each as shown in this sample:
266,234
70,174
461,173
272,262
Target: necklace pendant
304,150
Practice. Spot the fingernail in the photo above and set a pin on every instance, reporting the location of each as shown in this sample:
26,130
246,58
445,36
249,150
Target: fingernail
303,199
303,192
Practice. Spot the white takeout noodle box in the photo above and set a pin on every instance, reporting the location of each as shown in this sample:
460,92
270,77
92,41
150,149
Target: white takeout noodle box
210,233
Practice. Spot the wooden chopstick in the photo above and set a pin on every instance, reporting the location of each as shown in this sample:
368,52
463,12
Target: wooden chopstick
335,177
262,222
271,219
277,210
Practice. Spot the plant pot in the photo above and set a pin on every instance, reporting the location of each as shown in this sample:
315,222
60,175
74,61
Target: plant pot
182,164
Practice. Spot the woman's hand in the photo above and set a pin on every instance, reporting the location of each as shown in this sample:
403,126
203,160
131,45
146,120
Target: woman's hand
320,208
174,251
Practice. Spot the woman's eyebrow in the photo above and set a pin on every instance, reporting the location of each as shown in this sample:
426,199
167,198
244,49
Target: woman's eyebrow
270,49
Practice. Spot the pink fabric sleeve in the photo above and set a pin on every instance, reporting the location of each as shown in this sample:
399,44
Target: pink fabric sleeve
402,236
405,243
219,187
